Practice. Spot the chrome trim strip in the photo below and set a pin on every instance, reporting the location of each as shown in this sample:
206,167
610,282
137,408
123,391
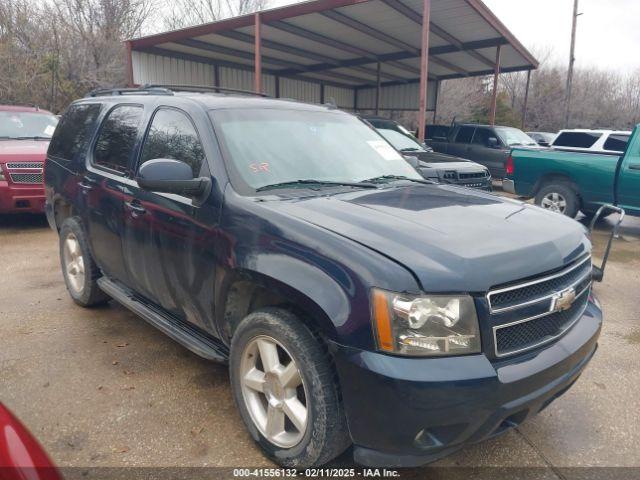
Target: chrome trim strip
532,282
543,342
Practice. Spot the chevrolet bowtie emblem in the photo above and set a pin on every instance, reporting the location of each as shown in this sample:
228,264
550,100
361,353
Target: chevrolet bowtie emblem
563,300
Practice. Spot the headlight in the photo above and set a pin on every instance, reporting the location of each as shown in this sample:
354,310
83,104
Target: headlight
432,325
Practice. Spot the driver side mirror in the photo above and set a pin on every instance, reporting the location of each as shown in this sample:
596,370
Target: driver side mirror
170,176
492,142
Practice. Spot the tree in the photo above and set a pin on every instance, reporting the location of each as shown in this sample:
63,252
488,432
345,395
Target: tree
186,13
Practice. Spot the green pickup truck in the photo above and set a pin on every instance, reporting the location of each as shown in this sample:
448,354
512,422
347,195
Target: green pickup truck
568,182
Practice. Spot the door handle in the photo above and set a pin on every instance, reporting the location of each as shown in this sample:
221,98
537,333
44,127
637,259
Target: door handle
87,184
634,166
135,207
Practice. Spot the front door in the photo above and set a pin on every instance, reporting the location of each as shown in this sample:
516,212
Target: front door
628,188
102,187
480,152
168,239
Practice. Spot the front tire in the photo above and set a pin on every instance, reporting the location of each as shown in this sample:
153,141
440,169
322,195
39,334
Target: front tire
559,198
78,268
286,391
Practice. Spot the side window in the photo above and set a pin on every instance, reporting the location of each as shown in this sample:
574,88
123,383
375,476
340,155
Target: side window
616,143
482,135
117,138
576,139
172,135
74,131
465,134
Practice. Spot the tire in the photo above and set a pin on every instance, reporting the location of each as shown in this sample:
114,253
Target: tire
558,197
78,268
325,434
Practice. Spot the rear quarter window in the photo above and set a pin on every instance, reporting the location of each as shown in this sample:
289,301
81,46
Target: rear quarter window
616,142
465,134
576,139
74,131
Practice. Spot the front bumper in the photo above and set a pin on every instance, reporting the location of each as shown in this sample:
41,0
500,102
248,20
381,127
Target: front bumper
405,412
21,198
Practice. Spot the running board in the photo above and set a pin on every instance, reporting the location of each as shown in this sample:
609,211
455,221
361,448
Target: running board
188,335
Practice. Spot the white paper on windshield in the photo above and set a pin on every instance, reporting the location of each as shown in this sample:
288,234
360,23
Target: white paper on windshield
49,129
385,150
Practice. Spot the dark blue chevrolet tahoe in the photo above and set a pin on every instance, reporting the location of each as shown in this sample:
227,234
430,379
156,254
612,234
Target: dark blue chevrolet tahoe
355,302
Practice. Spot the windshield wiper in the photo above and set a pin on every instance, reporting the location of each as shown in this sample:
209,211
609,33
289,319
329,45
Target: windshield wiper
382,178
294,183
411,149
32,137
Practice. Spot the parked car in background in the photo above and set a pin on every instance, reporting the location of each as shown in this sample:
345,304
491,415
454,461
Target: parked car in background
485,144
568,182
592,141
355,302
433,166
543,139
25,132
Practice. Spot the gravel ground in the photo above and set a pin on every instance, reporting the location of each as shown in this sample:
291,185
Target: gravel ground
103,388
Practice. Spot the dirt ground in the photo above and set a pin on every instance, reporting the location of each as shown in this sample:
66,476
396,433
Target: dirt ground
103,388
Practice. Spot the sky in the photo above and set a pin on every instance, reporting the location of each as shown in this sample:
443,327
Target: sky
608,33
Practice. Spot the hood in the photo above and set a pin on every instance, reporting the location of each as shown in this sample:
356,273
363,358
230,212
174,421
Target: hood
23,150
433,157
451,239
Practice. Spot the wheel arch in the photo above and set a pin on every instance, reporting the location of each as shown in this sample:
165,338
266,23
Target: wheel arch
559,177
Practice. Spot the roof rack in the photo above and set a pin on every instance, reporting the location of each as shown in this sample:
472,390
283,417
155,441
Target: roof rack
206,88
102,92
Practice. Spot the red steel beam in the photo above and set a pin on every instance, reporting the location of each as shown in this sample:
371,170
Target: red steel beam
258,52
129,65
424,68
494,96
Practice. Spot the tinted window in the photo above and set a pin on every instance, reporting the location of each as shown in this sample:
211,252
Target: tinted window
617,143
482,136
465,134
172,135
436,131
117,138
74,131
576,139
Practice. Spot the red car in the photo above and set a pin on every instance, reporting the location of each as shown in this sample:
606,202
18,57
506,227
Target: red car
21,456
25,133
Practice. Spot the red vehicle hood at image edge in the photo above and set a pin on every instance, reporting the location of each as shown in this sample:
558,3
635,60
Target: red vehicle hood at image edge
23,150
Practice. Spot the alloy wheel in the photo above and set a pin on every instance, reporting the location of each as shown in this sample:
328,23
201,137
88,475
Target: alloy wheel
555,202
73,262
274,392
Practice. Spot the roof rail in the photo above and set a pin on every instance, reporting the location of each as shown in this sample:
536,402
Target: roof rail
206,88
20,104
144,90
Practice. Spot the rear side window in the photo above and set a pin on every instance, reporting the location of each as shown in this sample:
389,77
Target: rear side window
172,135
576,139
74,131
616,143
465,134
117,138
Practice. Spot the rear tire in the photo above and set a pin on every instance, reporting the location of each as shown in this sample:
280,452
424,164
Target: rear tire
308,424
79,270
558,197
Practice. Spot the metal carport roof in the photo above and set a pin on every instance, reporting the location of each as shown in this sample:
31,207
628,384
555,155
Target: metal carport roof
354,44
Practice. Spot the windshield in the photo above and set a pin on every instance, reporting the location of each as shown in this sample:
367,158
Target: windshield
400,141
270,146
27,125
512,136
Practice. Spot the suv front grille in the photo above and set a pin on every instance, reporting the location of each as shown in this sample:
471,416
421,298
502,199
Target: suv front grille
18,165
531,333
26,177
466,176
535,312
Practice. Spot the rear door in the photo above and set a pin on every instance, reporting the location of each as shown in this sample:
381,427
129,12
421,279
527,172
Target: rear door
480,152
461,144
102,186
628,186
168,239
